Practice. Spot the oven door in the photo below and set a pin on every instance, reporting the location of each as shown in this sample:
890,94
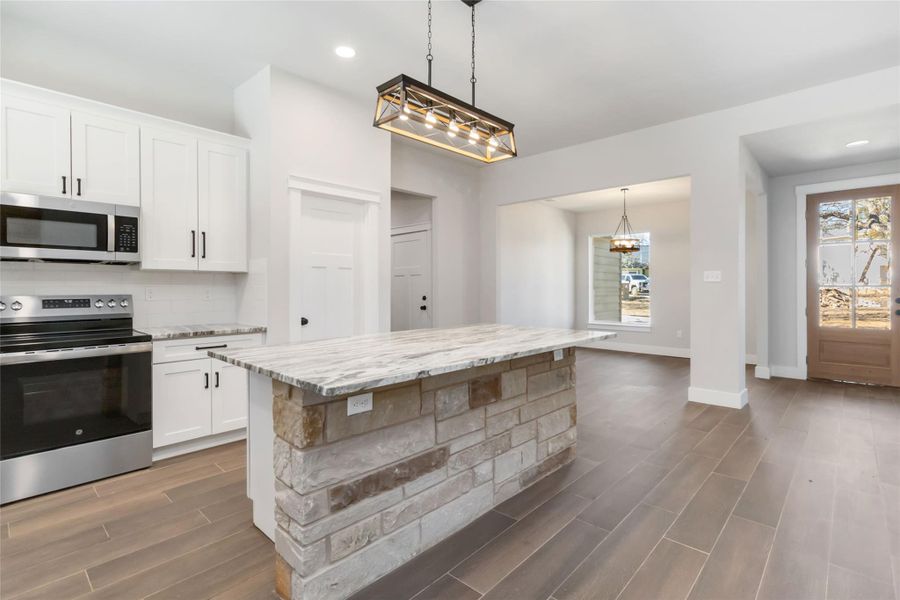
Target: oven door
55,228
57,398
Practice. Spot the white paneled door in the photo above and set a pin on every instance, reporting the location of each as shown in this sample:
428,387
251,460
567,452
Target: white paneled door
330,232
411,281
106,163
169,235
222,207
36,149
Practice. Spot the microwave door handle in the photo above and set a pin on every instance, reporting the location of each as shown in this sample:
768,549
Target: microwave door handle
111,233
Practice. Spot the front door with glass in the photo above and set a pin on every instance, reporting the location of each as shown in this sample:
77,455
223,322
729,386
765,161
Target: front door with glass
853,301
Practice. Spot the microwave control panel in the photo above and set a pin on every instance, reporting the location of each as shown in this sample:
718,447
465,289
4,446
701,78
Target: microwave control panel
126,234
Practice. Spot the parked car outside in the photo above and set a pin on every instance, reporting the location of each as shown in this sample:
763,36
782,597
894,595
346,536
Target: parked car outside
636,283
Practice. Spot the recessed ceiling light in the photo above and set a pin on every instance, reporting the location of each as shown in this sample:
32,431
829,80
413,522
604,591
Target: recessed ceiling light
345,51
857,143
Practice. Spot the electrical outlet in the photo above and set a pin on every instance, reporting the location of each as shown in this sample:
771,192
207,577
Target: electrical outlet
712,276
359,404
148,293
207,294
678,333
558,354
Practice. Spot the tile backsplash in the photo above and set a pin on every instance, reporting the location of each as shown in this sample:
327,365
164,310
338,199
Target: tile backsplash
160,297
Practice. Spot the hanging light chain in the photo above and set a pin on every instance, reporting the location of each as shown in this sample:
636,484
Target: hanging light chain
473,80
429,57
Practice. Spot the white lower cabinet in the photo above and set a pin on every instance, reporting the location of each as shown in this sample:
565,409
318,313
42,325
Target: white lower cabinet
201,396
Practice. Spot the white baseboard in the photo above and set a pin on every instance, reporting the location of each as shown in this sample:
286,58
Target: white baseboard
762,372
750,359
788,372
717,397
198,444
641,349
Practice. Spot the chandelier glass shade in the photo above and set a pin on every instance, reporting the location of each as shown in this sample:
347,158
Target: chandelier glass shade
418,111
623,240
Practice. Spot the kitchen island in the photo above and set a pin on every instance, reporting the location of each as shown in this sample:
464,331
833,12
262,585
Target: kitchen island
365,451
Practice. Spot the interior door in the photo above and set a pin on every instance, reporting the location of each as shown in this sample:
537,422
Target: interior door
229,396
106,160
36,148
222,207
169,234
853,300
329,256
411,281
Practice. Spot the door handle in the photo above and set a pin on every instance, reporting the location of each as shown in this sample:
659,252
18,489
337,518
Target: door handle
193,244
304,321
78,182
203,242
206,381
64,184
217,379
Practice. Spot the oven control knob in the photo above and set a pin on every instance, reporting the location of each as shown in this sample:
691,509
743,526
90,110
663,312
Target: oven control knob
2,305
111,304
16,305
99,303
124,303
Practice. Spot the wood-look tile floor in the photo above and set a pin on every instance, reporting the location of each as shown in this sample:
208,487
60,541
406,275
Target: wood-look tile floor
796,497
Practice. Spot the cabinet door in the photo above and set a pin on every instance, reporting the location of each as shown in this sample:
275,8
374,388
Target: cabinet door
181,401
105,160
223,207
35,147
169,235
229,396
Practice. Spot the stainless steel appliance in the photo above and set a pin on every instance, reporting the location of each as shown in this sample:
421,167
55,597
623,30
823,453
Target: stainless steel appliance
62,229
75,392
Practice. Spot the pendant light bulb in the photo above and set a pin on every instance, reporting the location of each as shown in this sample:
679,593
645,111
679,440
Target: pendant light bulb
493,141
406,108
430,117
403,117
473,135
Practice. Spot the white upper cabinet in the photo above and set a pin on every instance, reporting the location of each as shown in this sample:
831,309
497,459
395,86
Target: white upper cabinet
169,234
222,192
35,148
105,160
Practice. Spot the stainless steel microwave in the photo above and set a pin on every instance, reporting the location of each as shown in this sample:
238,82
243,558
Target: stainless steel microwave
62,229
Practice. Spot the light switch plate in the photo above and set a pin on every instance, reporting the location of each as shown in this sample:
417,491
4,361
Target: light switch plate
359,404
558,354
712,276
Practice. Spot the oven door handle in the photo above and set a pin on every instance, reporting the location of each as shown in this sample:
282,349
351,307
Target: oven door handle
19,358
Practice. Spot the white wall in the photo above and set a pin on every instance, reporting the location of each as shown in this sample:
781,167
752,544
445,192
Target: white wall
784,326
315,133
536,246
409,209
670,309
707,148
160,297
452,182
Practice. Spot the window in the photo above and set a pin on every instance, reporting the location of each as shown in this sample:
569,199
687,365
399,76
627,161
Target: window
620,283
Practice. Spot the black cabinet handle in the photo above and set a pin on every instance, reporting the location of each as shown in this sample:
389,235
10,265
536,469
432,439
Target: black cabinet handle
193,244
203,237
64,184
78,182
210,347
206,381
217,379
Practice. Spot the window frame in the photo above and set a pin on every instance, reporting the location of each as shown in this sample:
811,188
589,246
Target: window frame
607,324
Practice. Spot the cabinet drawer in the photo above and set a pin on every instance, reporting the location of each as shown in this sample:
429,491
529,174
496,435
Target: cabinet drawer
165,351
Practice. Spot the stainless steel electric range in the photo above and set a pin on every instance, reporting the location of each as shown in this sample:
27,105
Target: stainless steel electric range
75,392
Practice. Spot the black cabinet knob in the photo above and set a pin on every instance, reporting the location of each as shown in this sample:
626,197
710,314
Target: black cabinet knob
304,321
423,307
425,298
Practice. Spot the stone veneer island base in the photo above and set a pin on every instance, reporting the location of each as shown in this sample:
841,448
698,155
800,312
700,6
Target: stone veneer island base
461,420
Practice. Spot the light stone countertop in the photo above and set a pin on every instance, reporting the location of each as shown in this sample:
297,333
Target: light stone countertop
174,332
341,366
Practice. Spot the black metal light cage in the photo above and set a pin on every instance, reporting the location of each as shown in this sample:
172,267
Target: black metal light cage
418,111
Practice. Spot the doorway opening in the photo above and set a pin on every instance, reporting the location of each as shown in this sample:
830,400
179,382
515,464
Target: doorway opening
412,302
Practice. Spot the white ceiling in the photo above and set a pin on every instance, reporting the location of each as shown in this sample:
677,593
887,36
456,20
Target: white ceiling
823,144
564,72
654,192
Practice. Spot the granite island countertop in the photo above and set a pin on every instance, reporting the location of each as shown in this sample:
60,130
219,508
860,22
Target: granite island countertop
174,332
341,366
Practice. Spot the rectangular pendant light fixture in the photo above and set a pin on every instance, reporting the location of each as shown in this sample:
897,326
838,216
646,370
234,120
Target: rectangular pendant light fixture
418,111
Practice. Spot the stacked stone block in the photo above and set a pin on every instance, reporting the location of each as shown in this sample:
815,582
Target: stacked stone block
357,496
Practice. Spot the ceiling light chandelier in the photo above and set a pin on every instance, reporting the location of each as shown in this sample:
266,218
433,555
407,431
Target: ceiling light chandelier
418,111
626,241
